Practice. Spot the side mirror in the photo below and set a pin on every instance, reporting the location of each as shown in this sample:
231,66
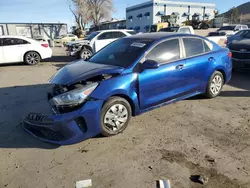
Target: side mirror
150,64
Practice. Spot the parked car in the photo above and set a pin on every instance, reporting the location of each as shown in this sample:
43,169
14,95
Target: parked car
84,49
64,39
232,29
219,38
22,49
131,76
178,29
41,39
239,45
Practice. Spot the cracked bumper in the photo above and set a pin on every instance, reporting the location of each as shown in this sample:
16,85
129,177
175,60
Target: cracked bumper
68,128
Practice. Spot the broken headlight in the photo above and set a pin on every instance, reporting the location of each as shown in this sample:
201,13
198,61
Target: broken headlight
74,97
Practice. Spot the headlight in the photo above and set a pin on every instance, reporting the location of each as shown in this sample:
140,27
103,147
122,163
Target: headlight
74,97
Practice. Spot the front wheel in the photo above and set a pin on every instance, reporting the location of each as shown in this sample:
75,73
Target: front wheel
215,85
85,54
115,116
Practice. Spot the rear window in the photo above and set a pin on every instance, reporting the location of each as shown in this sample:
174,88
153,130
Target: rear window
195,46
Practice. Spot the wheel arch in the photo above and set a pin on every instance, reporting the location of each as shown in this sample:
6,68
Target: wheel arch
223,73
88,47
127,98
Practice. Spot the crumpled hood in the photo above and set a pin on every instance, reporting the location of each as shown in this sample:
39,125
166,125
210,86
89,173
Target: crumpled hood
78,42
82,70
240,44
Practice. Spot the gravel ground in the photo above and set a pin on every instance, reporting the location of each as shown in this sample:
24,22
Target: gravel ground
192,137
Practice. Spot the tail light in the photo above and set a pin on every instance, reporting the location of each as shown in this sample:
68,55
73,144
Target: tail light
45,45
230,54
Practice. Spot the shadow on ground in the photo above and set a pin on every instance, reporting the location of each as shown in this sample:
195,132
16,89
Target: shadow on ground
15,103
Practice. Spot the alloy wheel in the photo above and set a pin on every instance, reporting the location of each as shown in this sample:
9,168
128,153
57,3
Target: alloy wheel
115,117
32,58
86,54
216,85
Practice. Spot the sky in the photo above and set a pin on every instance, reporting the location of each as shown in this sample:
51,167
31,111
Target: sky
58,10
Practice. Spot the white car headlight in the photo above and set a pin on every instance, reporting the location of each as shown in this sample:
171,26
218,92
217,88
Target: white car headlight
74,97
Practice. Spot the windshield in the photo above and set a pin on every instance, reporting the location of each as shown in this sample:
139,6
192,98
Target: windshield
92,35
231,28
169,29
122,52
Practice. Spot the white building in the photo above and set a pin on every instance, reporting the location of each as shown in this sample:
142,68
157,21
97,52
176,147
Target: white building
140,17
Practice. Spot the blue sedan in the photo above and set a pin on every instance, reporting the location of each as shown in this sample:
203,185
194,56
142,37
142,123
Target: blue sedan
127,78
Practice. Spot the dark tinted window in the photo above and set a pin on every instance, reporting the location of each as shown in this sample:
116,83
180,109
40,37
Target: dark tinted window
193,46
118,35
165,52
122,52
91,36
13,41
104,36
227,28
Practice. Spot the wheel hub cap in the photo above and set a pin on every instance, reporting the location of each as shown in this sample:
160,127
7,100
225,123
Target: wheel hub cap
116,117
216,85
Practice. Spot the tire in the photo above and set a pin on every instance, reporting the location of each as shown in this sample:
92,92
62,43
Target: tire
85,54
32,58
215,85
113,123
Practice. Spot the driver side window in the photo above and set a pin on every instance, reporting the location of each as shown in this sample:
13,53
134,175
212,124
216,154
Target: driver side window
165,52
105,36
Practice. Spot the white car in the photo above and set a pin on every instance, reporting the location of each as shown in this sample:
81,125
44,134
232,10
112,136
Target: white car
232,29
22,49
95,41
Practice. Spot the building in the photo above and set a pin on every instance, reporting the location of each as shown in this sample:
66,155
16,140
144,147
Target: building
112,24
47,30
140,17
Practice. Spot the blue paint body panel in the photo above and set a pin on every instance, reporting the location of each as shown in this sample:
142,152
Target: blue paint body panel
145,90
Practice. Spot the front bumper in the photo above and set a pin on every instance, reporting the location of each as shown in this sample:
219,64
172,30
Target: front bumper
68,128
241,63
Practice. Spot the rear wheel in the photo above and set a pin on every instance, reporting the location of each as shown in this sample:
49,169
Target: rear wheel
215,85
32,58
115,116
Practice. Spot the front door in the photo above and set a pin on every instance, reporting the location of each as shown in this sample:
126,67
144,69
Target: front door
13,49
167,82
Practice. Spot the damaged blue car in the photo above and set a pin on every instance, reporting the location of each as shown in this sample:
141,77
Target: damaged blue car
126,78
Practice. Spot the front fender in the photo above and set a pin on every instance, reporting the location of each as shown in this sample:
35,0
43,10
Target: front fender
122,85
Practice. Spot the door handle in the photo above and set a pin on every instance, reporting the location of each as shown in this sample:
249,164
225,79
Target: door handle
179,67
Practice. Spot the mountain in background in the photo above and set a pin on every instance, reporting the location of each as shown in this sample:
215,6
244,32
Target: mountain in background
243,9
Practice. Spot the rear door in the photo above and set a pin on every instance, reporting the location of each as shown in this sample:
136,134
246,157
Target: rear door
199,55
14,49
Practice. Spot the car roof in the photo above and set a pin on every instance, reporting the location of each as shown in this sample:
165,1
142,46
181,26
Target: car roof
161,35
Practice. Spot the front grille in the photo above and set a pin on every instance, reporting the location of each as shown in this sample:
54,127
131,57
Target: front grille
240,55
39,118
44,133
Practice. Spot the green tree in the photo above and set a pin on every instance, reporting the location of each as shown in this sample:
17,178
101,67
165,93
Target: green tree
234,13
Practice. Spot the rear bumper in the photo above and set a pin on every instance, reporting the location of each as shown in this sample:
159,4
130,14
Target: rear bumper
241,63
47,53
68,128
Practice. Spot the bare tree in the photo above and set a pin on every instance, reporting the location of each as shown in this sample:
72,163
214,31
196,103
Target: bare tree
81,12
100,10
